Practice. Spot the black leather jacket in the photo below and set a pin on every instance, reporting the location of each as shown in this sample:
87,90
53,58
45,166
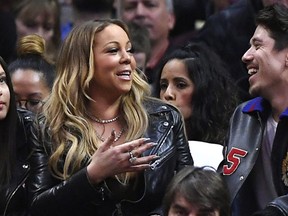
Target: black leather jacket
76,196
242,150
13,197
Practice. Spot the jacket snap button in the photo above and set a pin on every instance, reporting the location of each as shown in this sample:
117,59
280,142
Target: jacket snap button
25,166
257,149
166,124
241,178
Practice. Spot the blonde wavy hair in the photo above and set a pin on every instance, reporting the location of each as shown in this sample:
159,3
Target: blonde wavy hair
74,139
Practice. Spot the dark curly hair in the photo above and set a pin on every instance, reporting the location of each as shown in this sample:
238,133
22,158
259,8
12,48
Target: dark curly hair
215,96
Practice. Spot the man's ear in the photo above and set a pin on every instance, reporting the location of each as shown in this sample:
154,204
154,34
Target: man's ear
171,20
286,59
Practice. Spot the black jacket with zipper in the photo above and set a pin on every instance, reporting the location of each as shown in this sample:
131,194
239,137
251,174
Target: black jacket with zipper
76,196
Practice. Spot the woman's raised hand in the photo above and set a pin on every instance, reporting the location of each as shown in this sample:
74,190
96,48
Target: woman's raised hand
110,160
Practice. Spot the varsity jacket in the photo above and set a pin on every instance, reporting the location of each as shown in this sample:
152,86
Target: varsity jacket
241,151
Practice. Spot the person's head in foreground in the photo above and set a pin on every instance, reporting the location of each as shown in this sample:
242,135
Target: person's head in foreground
197,191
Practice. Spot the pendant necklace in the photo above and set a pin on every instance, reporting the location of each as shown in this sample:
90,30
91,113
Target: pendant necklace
117,137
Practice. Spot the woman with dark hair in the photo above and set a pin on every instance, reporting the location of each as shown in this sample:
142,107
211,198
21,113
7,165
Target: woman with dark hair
14,128
32,74
194,79
197,191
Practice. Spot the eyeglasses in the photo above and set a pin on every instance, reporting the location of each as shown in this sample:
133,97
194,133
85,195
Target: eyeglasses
33,105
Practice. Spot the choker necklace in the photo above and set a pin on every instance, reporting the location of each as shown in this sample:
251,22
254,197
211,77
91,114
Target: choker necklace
117,137
102,121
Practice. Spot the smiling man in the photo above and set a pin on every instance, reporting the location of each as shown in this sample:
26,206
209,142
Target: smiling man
256,158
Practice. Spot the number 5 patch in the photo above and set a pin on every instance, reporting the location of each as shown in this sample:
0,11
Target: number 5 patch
234,158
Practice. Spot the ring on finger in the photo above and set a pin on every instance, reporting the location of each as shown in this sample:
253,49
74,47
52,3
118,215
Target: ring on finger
132,158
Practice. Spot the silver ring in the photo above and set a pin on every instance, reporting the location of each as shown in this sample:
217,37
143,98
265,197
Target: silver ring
131,154
132,158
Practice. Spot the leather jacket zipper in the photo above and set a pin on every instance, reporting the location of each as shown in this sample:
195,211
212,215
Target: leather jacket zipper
119,210
164,158
16,189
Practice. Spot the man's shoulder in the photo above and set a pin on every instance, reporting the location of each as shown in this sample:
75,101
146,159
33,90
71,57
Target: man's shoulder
254,104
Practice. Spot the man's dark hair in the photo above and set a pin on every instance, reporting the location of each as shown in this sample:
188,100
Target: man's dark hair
200,186
275,19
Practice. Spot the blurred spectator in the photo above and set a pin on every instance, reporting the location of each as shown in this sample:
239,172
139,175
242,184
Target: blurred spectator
219,5
91,9
8,36
66,17
40,17
88,10
187,12
67,2
158,17
197,12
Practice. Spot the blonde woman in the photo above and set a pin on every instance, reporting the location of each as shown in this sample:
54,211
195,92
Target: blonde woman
103,146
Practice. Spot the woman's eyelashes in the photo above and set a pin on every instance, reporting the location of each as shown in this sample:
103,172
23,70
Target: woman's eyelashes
3,80
115,50
163,85
179,85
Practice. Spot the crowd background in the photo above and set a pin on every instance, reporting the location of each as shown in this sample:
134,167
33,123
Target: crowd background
165,35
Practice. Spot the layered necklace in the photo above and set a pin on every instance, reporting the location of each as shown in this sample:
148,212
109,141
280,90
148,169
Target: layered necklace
103,122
